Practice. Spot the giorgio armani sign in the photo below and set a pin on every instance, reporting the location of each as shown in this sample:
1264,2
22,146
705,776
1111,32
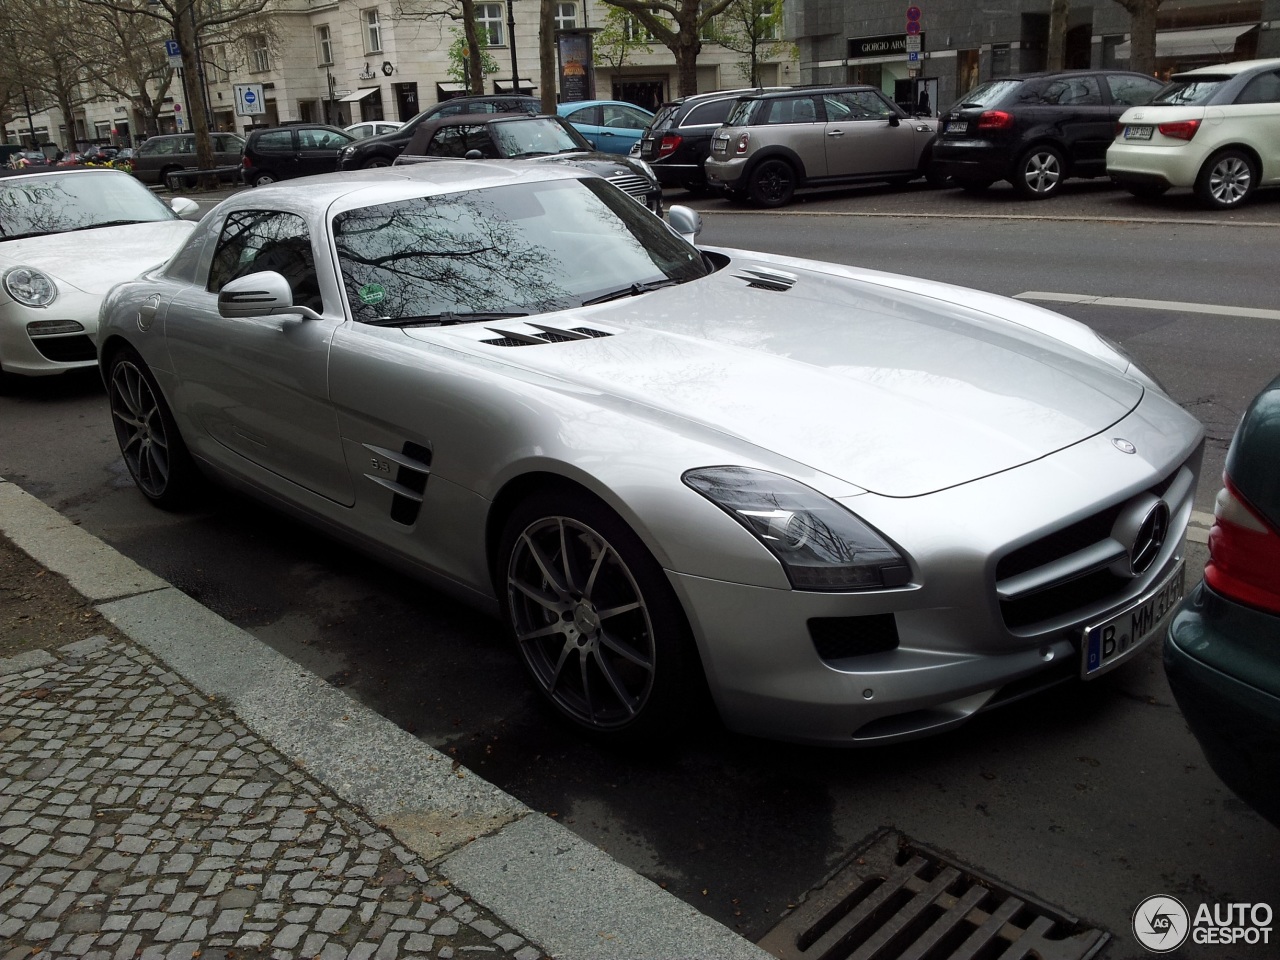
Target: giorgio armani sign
885,46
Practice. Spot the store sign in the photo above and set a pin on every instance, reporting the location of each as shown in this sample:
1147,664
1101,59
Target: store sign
893,44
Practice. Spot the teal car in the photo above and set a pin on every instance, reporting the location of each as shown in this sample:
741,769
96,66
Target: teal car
1222,651
610,126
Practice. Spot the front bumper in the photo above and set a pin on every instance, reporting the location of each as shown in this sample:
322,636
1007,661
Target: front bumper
1216,659
36,356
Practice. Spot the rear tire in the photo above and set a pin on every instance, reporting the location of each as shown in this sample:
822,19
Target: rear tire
263,179
1039,173
1227,180
773,183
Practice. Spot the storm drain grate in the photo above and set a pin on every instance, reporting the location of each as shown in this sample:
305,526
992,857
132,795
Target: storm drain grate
900,901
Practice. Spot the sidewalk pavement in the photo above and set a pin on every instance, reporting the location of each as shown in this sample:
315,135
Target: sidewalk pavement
178,789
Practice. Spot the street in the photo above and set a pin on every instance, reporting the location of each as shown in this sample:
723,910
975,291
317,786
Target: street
1090,797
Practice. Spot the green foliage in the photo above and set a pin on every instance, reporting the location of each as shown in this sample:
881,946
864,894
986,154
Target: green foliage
458,55
619,40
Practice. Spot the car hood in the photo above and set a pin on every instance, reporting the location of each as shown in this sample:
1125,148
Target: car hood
96,260
602,164
893,390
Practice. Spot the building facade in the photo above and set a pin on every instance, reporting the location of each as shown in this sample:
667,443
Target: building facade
963,42
343,61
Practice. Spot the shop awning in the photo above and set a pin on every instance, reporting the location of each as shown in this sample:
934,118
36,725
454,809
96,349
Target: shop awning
1218,41
451,87
358,95
504,86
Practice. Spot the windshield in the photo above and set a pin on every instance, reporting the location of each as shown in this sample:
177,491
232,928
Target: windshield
535,137
35,205
987,94
514,249
1185,90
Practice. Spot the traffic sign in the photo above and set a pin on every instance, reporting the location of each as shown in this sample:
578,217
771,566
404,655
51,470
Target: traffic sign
913,27
174,53
913,44
913,14
177,108
913,56
249,100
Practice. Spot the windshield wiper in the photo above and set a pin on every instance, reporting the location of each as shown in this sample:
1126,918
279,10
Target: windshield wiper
632,291
108,223
446,318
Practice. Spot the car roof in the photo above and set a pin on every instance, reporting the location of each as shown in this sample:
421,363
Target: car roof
298,126
1229,69
773,94
428,127
575,104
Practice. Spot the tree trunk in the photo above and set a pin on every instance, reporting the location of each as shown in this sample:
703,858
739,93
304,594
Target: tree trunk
475,64
686,52
1057,45
547,55
1142,35
197,116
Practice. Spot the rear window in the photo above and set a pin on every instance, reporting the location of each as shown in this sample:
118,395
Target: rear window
706,114
988,94
742,112
665,117
1184,90
275,141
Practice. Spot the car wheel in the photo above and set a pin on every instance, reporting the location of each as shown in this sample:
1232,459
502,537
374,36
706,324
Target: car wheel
1146,191
164,180
596,623
262,179
149,440
773,183
1227,179
375,163
973,186
1039,173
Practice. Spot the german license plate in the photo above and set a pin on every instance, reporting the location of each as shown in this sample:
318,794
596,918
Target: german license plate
1140,132
957,126
1119,636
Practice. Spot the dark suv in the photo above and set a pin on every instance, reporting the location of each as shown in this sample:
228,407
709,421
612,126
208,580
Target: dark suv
1036,130
296,150
677,141
381,151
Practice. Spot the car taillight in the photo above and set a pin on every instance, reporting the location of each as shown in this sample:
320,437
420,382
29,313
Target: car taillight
1244,553
244,160
668,145
995,120
1179,129
744,140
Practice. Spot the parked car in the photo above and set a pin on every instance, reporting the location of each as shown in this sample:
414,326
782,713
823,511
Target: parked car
1037,129
856,506
296,150
777,142
382,150
1216,129
536,139
1222,652
677,141
68,236
610,126
373,128
157,157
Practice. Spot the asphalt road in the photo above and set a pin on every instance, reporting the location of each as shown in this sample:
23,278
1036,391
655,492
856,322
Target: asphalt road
1092,797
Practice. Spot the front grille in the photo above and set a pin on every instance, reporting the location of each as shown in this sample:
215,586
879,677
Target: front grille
838,638
636,186
899,899
66,349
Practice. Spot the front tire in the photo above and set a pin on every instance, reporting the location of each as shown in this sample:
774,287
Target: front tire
773,183
1039,173
263,179
375,163
149,440
596,623
1227,180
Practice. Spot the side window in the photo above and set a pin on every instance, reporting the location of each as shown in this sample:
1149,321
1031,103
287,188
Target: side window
254,241
1264,88
856,105
589,115
1073,92
616,116
792,110
708,113
187,145
1132,91
310,139
275,141
158,147
447,142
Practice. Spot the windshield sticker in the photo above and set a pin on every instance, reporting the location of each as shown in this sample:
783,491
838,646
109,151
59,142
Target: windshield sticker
372,293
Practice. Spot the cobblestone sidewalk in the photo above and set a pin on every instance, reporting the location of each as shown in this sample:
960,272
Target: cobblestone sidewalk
137,820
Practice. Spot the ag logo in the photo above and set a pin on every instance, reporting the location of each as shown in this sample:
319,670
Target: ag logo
1161,923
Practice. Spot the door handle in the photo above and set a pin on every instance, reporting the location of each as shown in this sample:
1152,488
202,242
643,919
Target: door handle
835,133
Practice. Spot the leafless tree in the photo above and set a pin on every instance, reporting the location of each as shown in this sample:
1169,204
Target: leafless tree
1059,13
441,10
678,25
1142,33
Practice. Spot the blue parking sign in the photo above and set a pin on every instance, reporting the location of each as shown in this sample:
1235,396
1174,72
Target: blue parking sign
913,56
171,48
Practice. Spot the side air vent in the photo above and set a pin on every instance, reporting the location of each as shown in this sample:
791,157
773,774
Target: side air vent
412,468
544,334
766,279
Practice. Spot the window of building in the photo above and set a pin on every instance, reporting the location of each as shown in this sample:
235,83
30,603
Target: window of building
372,31
637,32
566,16
259,55
324,45
489,23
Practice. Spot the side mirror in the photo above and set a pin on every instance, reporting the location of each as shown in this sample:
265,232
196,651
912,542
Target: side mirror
893,120
259,295
185,208
685,221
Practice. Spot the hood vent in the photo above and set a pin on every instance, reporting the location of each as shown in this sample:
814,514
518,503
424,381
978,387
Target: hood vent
545,334
765,279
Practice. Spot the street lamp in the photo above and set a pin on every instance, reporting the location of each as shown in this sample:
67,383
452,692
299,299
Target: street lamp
511,39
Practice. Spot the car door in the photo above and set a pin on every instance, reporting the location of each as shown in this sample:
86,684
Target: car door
796,122
318,149
227,149
622,126
589,121
258,386
1073,107
866,135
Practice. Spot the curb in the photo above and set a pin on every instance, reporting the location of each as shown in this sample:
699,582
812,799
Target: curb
532,872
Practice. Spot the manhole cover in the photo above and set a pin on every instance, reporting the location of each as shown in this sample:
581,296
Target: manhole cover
898,900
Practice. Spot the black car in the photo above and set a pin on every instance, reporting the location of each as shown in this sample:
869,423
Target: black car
1036,130
539,139
381,151
297,150
677,141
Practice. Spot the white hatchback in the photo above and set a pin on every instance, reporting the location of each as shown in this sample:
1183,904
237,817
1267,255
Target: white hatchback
1216,129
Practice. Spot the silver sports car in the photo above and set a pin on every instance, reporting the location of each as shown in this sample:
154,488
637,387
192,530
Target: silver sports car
852,506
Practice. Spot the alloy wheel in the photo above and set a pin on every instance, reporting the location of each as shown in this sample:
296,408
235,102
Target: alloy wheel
581,622
140,428
1042,172
1230,180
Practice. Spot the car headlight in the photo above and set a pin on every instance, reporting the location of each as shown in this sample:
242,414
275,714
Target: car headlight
643,167
346,151
30,287
1134,368
820,544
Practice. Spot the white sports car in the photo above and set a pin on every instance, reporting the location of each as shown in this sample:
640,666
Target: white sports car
852,506
66,237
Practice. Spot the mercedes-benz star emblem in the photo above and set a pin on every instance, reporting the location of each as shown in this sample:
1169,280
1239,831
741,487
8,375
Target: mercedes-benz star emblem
1123,445
1150,538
